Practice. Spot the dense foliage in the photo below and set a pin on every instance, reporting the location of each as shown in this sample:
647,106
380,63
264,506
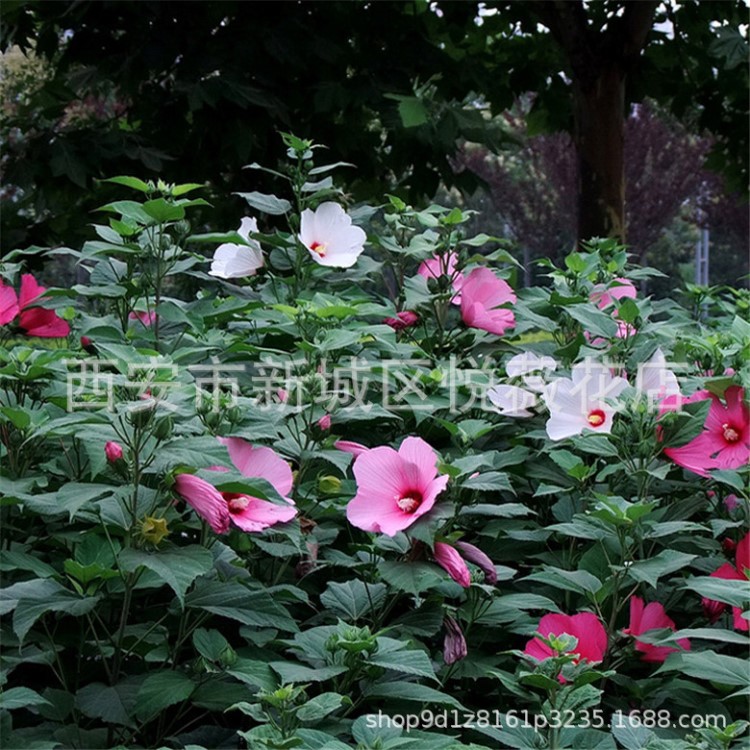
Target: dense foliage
346,488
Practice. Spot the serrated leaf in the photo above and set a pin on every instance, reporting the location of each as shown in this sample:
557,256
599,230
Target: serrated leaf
353,599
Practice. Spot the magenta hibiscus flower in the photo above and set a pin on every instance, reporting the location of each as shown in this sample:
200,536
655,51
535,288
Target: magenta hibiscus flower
32,319
394,488
725,440
585,627
651,617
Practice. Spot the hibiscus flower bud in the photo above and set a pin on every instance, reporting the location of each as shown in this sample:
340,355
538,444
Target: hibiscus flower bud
87,345
403,319
712,609
728,545
113,451
450,560
454,643
475,555
324,422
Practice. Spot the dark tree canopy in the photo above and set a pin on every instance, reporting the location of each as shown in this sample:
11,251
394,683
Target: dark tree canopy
193,91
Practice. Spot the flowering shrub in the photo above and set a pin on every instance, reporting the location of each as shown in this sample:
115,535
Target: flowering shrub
340,485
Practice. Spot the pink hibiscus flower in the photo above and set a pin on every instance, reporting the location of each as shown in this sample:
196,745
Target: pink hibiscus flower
585,627
444,265
403,319
349,446
244,511
725,440
651,617
32,319
606,298
738,572
482,294
394,488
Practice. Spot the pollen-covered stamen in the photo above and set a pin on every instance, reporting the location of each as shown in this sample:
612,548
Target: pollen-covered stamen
410,501
596,418
731,433
319,248
236,502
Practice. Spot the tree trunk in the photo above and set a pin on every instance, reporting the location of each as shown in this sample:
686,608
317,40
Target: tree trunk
599,132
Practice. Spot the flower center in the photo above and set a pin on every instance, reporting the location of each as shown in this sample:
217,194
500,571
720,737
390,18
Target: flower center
236,502
731,433
319,248
410,501
596,417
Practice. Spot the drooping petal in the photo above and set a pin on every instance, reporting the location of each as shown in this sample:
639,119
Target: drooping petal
260,514
45,324
205,499
349,446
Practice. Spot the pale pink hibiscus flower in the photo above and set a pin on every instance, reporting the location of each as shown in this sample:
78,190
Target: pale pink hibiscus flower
645,617
585,627
232,261
394,488
581,401
482,294
738,572
146,317
330,237
32,319
606,298
349,446
725,440
244,511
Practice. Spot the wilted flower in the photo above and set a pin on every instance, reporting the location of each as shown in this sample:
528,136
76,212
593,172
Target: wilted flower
330,237
578,403
394,488
651,617
482,294
232,261
153,530
454,643
584,627
448,558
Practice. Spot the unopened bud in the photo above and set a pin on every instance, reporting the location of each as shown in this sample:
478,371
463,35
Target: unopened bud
113,451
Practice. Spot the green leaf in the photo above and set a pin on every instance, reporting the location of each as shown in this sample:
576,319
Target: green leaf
708,665
593,320
99,701
736,593
412,577
579,581
491,481
269,204
210,644
393,655
161,690
20,697
320,706
177,567
235,601
162,210
411,691
131,182
293,672
353,599
29,600
668,561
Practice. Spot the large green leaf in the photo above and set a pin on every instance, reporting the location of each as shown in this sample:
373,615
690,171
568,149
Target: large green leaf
161,690
177,567
353,599
651,570
708,665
